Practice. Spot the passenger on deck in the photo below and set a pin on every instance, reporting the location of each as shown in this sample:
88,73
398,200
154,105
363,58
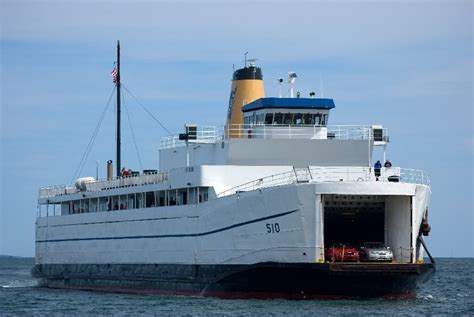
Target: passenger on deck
377,168
387,164
125,172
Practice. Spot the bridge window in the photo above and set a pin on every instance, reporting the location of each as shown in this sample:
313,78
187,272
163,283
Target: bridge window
278,118
288,118
317,118
324,120
269,118
308,118
298,118
246,121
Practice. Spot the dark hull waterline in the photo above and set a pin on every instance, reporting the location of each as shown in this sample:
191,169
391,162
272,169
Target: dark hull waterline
262,280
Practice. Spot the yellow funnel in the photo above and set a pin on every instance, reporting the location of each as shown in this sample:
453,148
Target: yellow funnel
247,86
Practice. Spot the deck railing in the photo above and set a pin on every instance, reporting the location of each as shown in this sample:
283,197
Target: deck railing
265,131
332,174
94,186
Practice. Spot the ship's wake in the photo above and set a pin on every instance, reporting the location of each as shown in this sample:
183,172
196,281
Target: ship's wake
20,284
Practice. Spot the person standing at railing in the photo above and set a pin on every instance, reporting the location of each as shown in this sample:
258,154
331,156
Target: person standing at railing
377,168
125,172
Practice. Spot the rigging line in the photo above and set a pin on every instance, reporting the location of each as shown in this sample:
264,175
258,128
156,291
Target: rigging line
146,109
133,133
92,139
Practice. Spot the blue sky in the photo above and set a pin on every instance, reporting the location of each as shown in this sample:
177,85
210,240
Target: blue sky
407,65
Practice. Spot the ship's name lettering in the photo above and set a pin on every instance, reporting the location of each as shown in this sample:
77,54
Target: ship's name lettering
273,227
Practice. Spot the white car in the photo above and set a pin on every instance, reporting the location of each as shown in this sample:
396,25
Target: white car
375,251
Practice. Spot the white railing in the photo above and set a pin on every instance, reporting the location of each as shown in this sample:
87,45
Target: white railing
264,131
46,192
339,174
259,183
332,174
208,134
94,186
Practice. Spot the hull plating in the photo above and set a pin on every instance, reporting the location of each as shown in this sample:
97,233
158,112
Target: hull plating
263,280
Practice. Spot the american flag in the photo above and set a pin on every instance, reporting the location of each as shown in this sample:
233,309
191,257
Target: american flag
114,74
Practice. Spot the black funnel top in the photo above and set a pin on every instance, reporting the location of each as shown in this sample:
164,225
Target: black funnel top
250,72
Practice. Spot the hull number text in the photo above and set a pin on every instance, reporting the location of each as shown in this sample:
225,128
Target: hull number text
273,227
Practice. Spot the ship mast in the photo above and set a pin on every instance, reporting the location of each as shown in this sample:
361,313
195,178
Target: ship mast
118,109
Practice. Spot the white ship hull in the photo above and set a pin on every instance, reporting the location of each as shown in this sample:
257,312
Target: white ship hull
229,230
282,225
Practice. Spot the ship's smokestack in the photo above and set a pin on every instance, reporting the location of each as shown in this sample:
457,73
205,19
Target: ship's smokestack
110,170
247,86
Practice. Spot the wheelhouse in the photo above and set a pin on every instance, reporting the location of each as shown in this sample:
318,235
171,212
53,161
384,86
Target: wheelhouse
292,117
288,112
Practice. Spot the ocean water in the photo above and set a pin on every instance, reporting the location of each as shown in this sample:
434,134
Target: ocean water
449,292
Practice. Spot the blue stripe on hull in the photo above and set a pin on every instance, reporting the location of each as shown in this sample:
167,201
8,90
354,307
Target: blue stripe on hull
173,235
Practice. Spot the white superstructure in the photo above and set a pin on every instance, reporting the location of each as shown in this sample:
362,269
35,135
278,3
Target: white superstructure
221,187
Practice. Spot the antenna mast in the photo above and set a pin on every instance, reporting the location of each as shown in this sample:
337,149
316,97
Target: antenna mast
118,109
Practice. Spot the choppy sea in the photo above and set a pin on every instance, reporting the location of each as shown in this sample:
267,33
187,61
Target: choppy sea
449,292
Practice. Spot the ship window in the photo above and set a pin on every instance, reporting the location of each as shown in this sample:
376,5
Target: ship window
192,195
307,118
130,204
150,199
65,208
269,118
298,118
122,203
182,196
75,206
172,197
84,206
278,118
260,118
160,198
94,204
115,202
104,204
324,119
317,119
288,118
246,121
139,200
203,194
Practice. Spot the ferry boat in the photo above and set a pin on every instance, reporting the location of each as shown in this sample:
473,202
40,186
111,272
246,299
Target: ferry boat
245,210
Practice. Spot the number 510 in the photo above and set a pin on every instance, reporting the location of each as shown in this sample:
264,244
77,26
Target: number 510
273,227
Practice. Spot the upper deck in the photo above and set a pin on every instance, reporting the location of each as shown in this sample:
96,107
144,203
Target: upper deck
215,134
